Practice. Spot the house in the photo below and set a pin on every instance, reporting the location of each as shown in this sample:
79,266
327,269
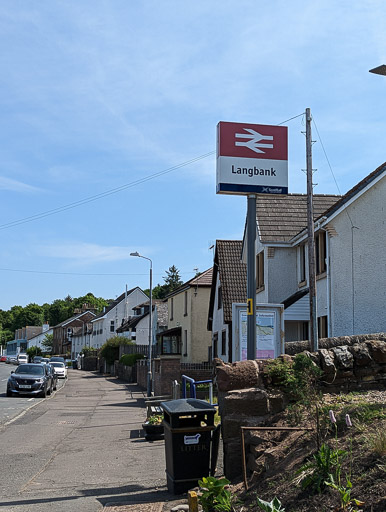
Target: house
137,326
350,247
188,312
22,336
62,332
229,285
36,341
81,337
105,324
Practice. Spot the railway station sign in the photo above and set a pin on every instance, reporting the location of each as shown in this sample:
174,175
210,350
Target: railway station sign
252,159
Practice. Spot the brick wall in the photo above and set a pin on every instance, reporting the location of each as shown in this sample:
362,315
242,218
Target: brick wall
166,370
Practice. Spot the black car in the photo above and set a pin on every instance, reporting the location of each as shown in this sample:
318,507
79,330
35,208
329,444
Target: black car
37,359
30,379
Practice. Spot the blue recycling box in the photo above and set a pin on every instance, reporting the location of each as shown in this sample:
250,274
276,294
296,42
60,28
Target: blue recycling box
188,425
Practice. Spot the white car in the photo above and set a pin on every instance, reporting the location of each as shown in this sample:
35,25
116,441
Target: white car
60,369
22,358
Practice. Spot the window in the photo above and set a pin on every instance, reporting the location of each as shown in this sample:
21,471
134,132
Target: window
215,344
186,342
171,308
320,252
305,331
112,326
223,343
186,304
219,298
322,327
302,270
260,271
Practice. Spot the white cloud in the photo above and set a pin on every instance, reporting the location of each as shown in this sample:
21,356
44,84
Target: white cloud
88,253
17,186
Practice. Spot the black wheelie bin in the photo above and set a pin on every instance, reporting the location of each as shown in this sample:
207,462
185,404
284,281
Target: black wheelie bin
188,425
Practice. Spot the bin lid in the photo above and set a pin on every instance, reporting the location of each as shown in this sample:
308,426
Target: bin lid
187,406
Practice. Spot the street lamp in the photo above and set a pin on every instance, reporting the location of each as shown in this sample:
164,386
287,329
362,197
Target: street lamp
149,373
379,70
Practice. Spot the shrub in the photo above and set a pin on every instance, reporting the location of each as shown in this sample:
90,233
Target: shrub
110,350
130,359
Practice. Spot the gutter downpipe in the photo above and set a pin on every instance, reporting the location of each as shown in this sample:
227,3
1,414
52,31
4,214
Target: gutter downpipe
329,321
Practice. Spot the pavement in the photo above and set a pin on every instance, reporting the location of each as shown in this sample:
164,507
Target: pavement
84,450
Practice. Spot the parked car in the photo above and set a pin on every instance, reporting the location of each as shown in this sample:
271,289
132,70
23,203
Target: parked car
30,379
53,375
8,360
21,358
56,359
60,370
3,359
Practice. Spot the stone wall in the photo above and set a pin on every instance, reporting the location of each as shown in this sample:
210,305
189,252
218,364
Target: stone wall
142,371
126,373
248,398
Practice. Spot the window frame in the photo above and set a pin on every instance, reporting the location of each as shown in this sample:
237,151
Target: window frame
260,271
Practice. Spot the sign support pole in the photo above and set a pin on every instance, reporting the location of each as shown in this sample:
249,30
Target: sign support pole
311,238
251,277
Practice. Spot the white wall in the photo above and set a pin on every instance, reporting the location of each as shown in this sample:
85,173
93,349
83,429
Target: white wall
116,314
218,325
358,265
36,341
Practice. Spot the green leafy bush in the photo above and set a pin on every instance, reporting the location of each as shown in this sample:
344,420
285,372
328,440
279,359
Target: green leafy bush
272,506
215,496
318,471
110,350
130,359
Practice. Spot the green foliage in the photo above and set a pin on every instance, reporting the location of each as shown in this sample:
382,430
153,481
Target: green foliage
314,474
130,359
172,281
34,314
272,506
214,494
156,419
376,440
297,377
110,350
34,351
346,502
281,372
89,352
48,342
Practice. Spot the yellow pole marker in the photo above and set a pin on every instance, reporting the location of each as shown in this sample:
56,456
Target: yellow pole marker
192,501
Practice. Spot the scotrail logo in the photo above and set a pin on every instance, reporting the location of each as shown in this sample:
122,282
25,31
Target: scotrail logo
254,140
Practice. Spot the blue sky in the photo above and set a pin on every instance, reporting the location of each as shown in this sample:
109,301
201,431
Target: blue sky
96,95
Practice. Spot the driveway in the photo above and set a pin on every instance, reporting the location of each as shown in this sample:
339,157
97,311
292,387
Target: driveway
80,450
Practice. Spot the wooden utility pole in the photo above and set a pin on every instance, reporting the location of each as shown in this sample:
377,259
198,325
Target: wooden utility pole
311,238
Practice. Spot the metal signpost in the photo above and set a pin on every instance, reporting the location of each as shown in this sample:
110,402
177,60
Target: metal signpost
251,159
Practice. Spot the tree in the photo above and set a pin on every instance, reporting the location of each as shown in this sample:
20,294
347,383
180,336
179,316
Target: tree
172,282
172,279
34,351
48,342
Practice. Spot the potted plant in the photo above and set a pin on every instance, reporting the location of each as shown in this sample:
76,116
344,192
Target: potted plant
153,427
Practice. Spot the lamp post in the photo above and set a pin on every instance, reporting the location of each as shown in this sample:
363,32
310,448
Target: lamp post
379,70
149,373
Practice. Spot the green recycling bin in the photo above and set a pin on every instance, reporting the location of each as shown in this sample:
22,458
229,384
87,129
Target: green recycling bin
188,425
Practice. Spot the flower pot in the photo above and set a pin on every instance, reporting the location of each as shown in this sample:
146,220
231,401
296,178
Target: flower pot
153,432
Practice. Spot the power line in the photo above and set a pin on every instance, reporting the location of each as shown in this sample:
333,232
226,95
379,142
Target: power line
90,199
81,273
107,193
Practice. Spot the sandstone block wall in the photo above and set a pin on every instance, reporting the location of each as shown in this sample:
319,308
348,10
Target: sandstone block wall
247,397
